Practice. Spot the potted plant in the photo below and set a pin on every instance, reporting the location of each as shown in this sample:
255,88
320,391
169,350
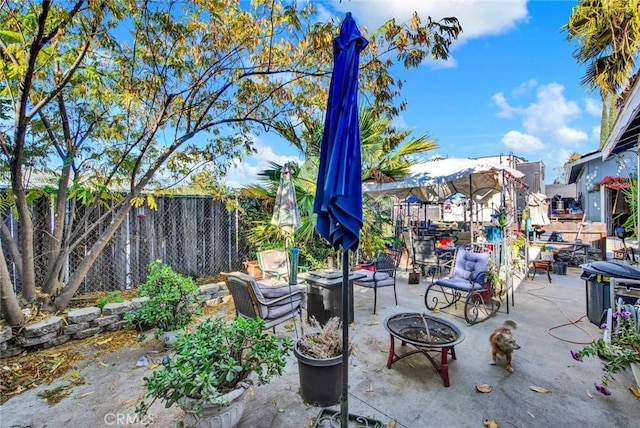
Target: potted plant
172,301
209,375
319,357
495,278
618,353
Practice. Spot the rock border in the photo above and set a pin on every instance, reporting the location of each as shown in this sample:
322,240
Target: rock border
84,322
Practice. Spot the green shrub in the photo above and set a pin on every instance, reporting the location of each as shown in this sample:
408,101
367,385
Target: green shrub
212,360
113,297
172,300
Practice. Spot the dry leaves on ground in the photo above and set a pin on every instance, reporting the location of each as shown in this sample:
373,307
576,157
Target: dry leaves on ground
31,369
539,389
484,388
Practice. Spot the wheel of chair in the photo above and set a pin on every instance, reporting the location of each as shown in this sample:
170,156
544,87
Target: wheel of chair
426,299
478,309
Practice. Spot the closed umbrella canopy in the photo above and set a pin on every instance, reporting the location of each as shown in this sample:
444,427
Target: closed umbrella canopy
338,201
286,214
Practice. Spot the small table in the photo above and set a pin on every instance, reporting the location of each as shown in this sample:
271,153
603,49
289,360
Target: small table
411,328
324,294
544,265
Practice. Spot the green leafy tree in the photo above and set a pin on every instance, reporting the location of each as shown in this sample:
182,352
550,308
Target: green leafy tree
122,94
387,154
608,36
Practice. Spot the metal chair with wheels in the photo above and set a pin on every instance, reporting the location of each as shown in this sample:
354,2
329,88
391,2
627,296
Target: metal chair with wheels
469,281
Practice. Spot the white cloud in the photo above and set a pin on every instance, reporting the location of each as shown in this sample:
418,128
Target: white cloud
551,111
517,141
505,109
548,118
524,88
478,18
570,136
595,132
246,172
593,106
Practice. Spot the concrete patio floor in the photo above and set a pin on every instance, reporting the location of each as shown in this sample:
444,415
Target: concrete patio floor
410,394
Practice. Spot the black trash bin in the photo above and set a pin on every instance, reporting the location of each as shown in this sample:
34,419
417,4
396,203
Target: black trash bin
597,276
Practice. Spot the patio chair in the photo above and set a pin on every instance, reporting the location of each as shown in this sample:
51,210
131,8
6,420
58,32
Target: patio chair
407,239
383,274
466,282
425,256
274,264
273,301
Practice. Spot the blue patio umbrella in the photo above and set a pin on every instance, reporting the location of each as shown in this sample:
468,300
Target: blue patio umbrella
338,201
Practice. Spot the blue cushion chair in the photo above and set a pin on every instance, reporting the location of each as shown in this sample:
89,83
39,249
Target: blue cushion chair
468,281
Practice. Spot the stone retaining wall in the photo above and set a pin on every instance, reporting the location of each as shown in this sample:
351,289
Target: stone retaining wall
84,322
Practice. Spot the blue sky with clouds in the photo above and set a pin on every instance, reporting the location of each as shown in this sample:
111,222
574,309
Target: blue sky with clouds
511,84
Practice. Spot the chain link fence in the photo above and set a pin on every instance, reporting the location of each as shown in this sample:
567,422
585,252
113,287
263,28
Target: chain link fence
195,235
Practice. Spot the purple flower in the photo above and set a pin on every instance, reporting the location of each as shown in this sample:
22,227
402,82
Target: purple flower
602,389
603,326
626,313
616,314
576,356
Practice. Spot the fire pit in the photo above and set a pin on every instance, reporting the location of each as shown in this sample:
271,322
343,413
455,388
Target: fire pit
427,334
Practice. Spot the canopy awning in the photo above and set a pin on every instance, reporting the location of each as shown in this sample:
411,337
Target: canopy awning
437,180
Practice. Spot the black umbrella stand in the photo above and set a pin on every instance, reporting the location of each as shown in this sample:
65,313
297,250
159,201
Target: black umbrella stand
344,403
343,419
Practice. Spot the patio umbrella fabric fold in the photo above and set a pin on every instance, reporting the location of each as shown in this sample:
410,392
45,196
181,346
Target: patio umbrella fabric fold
338,201
286,214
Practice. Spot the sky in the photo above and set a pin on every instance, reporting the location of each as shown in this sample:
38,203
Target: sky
511,85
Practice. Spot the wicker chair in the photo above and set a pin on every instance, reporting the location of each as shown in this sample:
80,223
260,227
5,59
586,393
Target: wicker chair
273,301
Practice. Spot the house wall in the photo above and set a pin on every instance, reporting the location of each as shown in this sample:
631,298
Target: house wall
596,203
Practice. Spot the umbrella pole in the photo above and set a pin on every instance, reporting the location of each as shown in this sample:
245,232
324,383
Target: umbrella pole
344,403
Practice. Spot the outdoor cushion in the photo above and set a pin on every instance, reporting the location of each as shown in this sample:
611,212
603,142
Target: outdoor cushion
276,311
458,284
271,289
369,276
470,264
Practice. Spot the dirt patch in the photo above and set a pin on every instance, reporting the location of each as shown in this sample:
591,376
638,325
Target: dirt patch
32,369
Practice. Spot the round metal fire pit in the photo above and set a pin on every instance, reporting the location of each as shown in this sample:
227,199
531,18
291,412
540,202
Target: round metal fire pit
427,334
424,330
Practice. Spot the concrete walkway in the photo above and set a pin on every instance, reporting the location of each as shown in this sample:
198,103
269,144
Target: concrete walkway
411,393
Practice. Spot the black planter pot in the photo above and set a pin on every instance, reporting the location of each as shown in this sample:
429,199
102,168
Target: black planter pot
320,379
